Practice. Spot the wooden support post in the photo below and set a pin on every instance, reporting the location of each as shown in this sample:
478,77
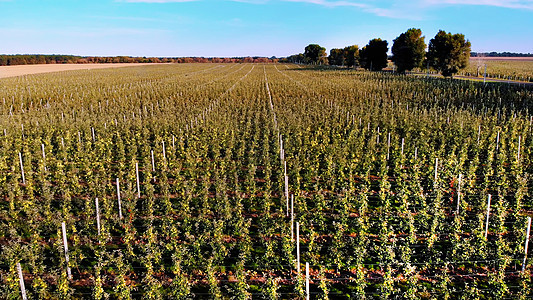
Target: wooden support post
298,248
527,243
307,280
292,217
487,221
518,155
436,170
388,147
97,216
92,132
118,199
403,141
42,150
153,161
478,134
164,151
459,193
286,186
22,169
498,141
65,247
280,145
138,185
21,282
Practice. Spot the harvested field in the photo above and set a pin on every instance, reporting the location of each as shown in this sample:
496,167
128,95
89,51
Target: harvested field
12,71
473,59
509,68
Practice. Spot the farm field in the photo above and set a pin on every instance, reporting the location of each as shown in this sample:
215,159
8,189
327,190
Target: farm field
20,70
198,180
512,68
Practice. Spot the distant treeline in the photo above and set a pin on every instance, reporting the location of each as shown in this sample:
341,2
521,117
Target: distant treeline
500,54
32,59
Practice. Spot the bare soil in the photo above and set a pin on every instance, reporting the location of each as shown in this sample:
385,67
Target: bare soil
12,71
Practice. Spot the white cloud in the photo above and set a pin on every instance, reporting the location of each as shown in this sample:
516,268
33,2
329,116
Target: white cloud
252,1
519,4
398,9
379,7
156,1
386,6
333,3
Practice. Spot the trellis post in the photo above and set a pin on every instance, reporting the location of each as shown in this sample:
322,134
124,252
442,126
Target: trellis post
292,217
21,281
436,170
307,280
138,185
286,186
22,168
527,243
388,146
118,199
65,247
459,193
153,161
97,215
487,221
518,155
164,151
298,248
42,150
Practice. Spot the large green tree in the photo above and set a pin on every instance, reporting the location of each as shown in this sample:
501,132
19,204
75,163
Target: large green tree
448,53
351,56
315,54
408,50
336,57
373,56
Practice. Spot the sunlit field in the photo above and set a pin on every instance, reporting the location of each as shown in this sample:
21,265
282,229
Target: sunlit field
512,68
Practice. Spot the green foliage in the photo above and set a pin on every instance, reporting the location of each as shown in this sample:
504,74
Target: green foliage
351,54
448,53
336,57
315,54
408,50
211,217
373,56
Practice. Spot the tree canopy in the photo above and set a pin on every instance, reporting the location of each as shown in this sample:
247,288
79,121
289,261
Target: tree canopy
336,57
373,56
448,53
315,54
351,54
408,50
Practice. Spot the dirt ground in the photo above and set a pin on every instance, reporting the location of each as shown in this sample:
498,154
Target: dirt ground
11,71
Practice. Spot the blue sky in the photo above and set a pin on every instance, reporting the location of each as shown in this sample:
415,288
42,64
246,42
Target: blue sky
251,27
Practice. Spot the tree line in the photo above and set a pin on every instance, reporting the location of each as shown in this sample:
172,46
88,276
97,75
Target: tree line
500,54
31,59
447,53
